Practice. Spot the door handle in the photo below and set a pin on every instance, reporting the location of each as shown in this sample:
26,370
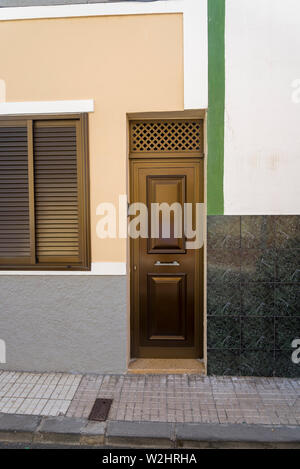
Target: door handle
173,263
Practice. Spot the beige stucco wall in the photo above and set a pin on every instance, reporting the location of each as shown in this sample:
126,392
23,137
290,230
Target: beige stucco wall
125,63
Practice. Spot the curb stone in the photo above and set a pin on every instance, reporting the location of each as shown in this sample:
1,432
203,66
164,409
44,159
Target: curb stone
93,434
149,434
228,435
66,430
20,428
56,429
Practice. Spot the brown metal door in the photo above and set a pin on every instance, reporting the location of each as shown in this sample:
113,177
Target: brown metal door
166,277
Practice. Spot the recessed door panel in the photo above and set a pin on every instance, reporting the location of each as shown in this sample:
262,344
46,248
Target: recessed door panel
168,195
166,315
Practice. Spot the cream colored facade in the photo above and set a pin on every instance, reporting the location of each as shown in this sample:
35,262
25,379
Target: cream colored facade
125,64
113,61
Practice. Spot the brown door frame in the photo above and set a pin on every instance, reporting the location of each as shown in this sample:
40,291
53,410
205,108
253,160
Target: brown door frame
199,262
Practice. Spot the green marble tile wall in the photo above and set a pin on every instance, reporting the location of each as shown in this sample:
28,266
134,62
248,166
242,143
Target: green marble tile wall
253,295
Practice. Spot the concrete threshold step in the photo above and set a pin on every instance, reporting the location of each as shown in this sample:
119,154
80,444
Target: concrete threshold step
166,366
65,430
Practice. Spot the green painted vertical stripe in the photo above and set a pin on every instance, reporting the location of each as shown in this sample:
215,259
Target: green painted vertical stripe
216,106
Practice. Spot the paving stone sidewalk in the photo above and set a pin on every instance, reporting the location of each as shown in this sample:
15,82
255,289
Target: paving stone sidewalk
157,398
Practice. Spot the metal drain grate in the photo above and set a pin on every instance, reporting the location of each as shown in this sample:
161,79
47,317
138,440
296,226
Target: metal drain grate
100,410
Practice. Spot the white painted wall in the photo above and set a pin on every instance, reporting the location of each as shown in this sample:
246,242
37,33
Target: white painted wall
262,123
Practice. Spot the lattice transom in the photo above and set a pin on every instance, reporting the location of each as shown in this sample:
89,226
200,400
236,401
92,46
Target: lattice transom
166,136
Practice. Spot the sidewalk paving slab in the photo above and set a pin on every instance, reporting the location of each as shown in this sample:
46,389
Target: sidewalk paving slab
150,410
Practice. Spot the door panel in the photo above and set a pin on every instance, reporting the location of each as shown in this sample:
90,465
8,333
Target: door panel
170,190
166,293
166,278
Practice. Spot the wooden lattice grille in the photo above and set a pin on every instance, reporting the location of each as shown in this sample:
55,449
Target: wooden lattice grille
166,136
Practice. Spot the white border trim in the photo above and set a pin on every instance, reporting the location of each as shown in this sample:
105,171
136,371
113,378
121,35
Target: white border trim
97,268
96,9
47,107
195,54
194,30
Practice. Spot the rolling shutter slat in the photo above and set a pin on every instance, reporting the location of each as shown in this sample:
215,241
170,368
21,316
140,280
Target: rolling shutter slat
56,193
14,195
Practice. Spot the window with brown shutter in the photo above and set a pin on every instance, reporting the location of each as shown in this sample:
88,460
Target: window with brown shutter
44,203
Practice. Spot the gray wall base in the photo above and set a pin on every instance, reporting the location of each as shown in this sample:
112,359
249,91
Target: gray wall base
64,323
